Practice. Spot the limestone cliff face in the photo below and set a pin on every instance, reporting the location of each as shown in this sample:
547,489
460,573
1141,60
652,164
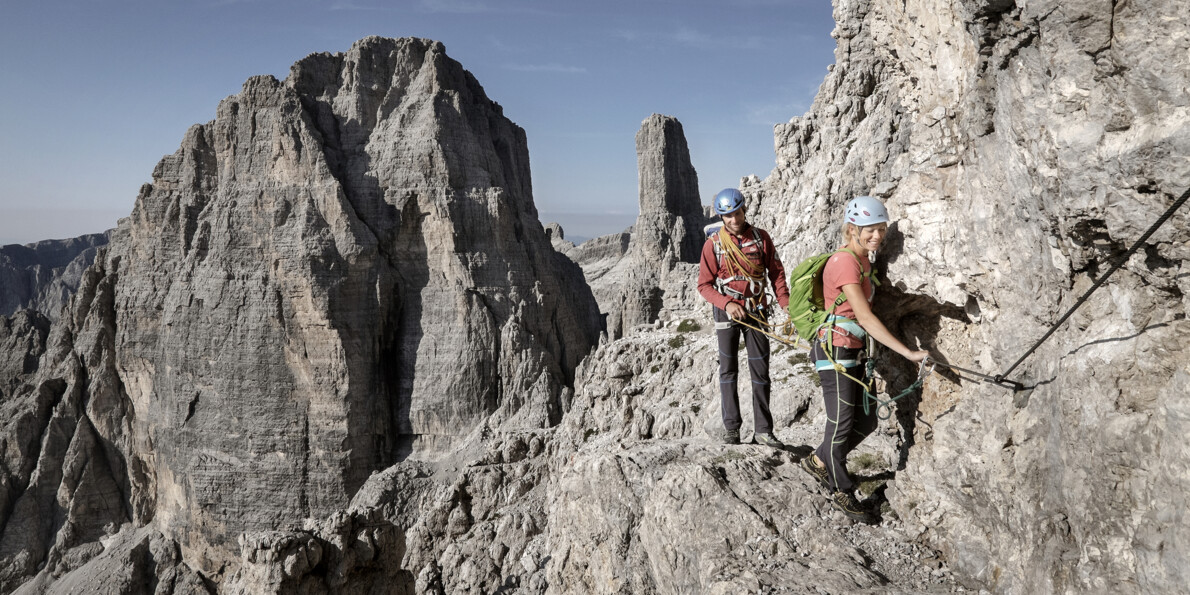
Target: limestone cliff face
339,270
1020,146
44,275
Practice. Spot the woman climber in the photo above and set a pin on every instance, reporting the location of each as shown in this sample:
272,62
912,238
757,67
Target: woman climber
839,351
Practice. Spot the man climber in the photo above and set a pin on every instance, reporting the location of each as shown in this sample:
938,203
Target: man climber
732,277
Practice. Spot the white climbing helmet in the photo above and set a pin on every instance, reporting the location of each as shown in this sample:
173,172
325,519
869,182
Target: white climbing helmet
864,211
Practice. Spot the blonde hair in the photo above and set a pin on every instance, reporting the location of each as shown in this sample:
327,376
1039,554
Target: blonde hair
848,230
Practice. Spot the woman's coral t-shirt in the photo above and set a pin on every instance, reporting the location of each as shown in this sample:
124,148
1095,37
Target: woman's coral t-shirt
841,269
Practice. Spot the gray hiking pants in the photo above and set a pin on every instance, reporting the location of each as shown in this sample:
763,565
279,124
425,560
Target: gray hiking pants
846,423
757,344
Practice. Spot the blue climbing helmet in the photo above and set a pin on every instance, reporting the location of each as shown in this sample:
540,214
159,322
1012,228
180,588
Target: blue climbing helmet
728,200
864,211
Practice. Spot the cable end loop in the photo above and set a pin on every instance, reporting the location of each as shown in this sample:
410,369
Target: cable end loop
1006,383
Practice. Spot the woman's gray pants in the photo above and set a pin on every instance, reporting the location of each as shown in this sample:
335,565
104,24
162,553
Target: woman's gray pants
846,423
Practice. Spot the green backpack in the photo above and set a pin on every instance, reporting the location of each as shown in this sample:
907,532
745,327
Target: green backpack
806,309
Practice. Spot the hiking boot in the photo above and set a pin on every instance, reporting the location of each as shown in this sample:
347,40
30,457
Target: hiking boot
769,440
731,436
816,471
846,502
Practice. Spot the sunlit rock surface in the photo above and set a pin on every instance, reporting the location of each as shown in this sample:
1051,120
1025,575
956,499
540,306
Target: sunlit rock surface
1020,147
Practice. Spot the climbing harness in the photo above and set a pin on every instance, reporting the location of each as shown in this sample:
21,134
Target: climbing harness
1119,264
883,406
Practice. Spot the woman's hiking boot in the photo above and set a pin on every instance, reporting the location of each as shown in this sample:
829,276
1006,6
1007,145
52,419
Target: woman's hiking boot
766,439
731,436
816,471
846,502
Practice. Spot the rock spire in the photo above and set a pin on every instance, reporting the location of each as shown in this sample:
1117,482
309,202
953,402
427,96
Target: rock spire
629,273
669,226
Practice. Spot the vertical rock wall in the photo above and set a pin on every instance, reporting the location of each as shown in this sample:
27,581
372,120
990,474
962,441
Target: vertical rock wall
1020,146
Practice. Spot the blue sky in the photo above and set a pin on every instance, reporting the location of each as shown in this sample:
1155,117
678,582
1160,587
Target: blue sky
95,92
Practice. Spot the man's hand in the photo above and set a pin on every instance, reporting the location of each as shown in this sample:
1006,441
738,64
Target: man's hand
736,311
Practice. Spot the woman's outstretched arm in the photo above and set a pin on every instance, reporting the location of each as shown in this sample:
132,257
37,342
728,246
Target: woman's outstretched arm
867,319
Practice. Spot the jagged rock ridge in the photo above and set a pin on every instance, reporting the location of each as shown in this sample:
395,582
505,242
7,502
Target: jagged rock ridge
44,275
341,269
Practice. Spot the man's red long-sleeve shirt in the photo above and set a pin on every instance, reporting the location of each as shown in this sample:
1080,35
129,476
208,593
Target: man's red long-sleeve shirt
765,254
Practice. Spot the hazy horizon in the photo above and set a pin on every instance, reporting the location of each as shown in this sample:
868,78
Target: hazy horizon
63,224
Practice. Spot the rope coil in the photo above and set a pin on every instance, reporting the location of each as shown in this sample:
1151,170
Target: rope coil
736,262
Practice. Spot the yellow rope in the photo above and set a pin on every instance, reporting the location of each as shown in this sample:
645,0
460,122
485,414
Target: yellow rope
735,261
794,343
785,328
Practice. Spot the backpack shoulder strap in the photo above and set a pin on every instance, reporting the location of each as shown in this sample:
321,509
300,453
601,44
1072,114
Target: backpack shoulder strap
853,255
